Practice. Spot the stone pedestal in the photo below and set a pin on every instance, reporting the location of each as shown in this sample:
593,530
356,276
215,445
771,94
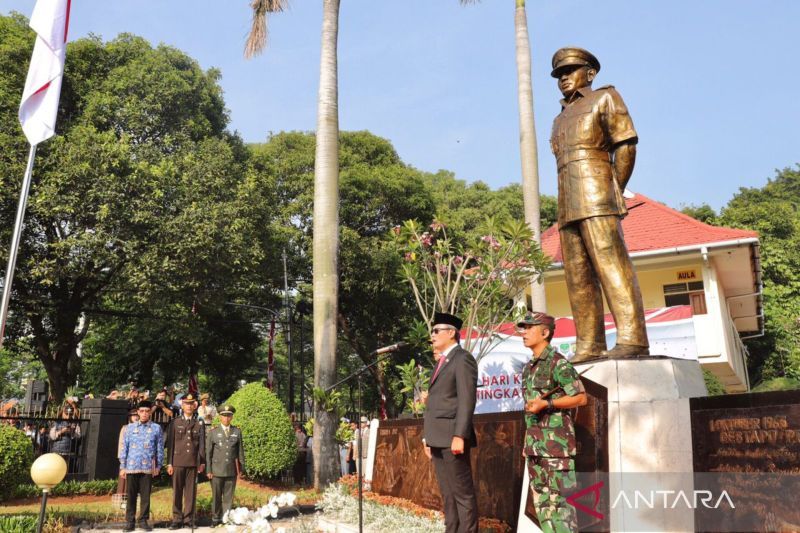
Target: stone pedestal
106,418
649,436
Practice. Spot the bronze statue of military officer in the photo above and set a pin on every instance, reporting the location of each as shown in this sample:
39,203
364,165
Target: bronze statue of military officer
594,143
186,448
225,455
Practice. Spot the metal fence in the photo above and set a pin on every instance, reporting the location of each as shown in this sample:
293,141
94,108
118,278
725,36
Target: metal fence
64,436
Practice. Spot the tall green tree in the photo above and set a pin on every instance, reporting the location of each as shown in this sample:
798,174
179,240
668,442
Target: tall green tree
209,252
326,222
134,199
774,211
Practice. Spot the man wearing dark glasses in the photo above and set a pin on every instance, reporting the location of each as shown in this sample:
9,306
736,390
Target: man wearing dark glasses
448,431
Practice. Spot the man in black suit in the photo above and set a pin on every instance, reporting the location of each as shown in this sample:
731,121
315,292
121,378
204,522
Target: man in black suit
448,432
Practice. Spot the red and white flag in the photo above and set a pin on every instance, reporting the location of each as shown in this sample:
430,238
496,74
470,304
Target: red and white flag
194,388
37,112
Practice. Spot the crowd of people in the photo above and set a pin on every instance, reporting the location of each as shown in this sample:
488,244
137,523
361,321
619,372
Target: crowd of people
59,434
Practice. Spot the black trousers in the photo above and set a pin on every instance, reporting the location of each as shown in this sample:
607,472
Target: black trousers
221,495
454,474
137,485
183,496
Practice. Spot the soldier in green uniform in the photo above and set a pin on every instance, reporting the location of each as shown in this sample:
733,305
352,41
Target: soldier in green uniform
225,455
550,433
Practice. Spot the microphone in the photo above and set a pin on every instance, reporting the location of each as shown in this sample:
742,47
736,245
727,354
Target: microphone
390,348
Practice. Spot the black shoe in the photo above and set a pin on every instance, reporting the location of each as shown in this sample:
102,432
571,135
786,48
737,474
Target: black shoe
145,526
129,527
215,523
175,525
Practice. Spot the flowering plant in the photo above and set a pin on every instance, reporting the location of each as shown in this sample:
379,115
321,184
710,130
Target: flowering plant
244,520
479,280
414,378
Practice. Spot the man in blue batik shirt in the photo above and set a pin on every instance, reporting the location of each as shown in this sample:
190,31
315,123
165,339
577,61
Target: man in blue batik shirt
141,456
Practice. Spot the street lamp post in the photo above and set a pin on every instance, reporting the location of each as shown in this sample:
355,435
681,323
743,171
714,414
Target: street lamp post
303,309
46,472
288,332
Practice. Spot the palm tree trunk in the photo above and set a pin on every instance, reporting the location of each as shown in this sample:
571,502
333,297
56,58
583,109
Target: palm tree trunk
527,141
326,245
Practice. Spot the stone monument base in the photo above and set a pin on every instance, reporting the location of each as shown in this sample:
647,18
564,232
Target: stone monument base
649,436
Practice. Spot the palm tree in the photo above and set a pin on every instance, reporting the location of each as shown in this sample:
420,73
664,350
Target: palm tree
257,38
326,224
527,138
527,141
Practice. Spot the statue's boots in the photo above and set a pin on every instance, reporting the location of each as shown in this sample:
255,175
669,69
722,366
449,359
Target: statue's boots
622,351
587,351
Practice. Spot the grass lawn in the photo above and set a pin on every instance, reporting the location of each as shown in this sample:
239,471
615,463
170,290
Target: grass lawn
73,509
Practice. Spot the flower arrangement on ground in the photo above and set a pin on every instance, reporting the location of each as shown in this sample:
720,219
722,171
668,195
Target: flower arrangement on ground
244,520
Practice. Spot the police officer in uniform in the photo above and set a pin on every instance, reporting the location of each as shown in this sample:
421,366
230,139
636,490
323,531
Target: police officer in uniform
225,455
594,143
186,448
549,446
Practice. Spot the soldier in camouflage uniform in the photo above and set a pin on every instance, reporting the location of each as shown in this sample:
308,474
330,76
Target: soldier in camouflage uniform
550,433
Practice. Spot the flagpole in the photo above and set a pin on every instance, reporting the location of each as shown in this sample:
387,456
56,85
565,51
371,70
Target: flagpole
15,239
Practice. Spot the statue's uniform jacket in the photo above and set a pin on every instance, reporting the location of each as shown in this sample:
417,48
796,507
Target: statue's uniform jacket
584,134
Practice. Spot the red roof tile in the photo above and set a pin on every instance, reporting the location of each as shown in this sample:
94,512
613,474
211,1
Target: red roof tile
651,225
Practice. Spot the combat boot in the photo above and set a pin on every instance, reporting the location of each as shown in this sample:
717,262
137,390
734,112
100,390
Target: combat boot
624,351
587,351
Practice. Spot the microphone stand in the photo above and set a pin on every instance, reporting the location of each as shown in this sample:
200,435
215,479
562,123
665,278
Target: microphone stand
358,376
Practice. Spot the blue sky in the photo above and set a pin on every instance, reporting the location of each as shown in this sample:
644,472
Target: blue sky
710,85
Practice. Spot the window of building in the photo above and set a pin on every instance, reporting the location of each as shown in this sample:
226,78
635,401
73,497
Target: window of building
690,293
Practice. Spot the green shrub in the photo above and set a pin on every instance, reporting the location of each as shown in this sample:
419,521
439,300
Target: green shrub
713,384
16,457
98,487
57,521
17,524
269,443
774,384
